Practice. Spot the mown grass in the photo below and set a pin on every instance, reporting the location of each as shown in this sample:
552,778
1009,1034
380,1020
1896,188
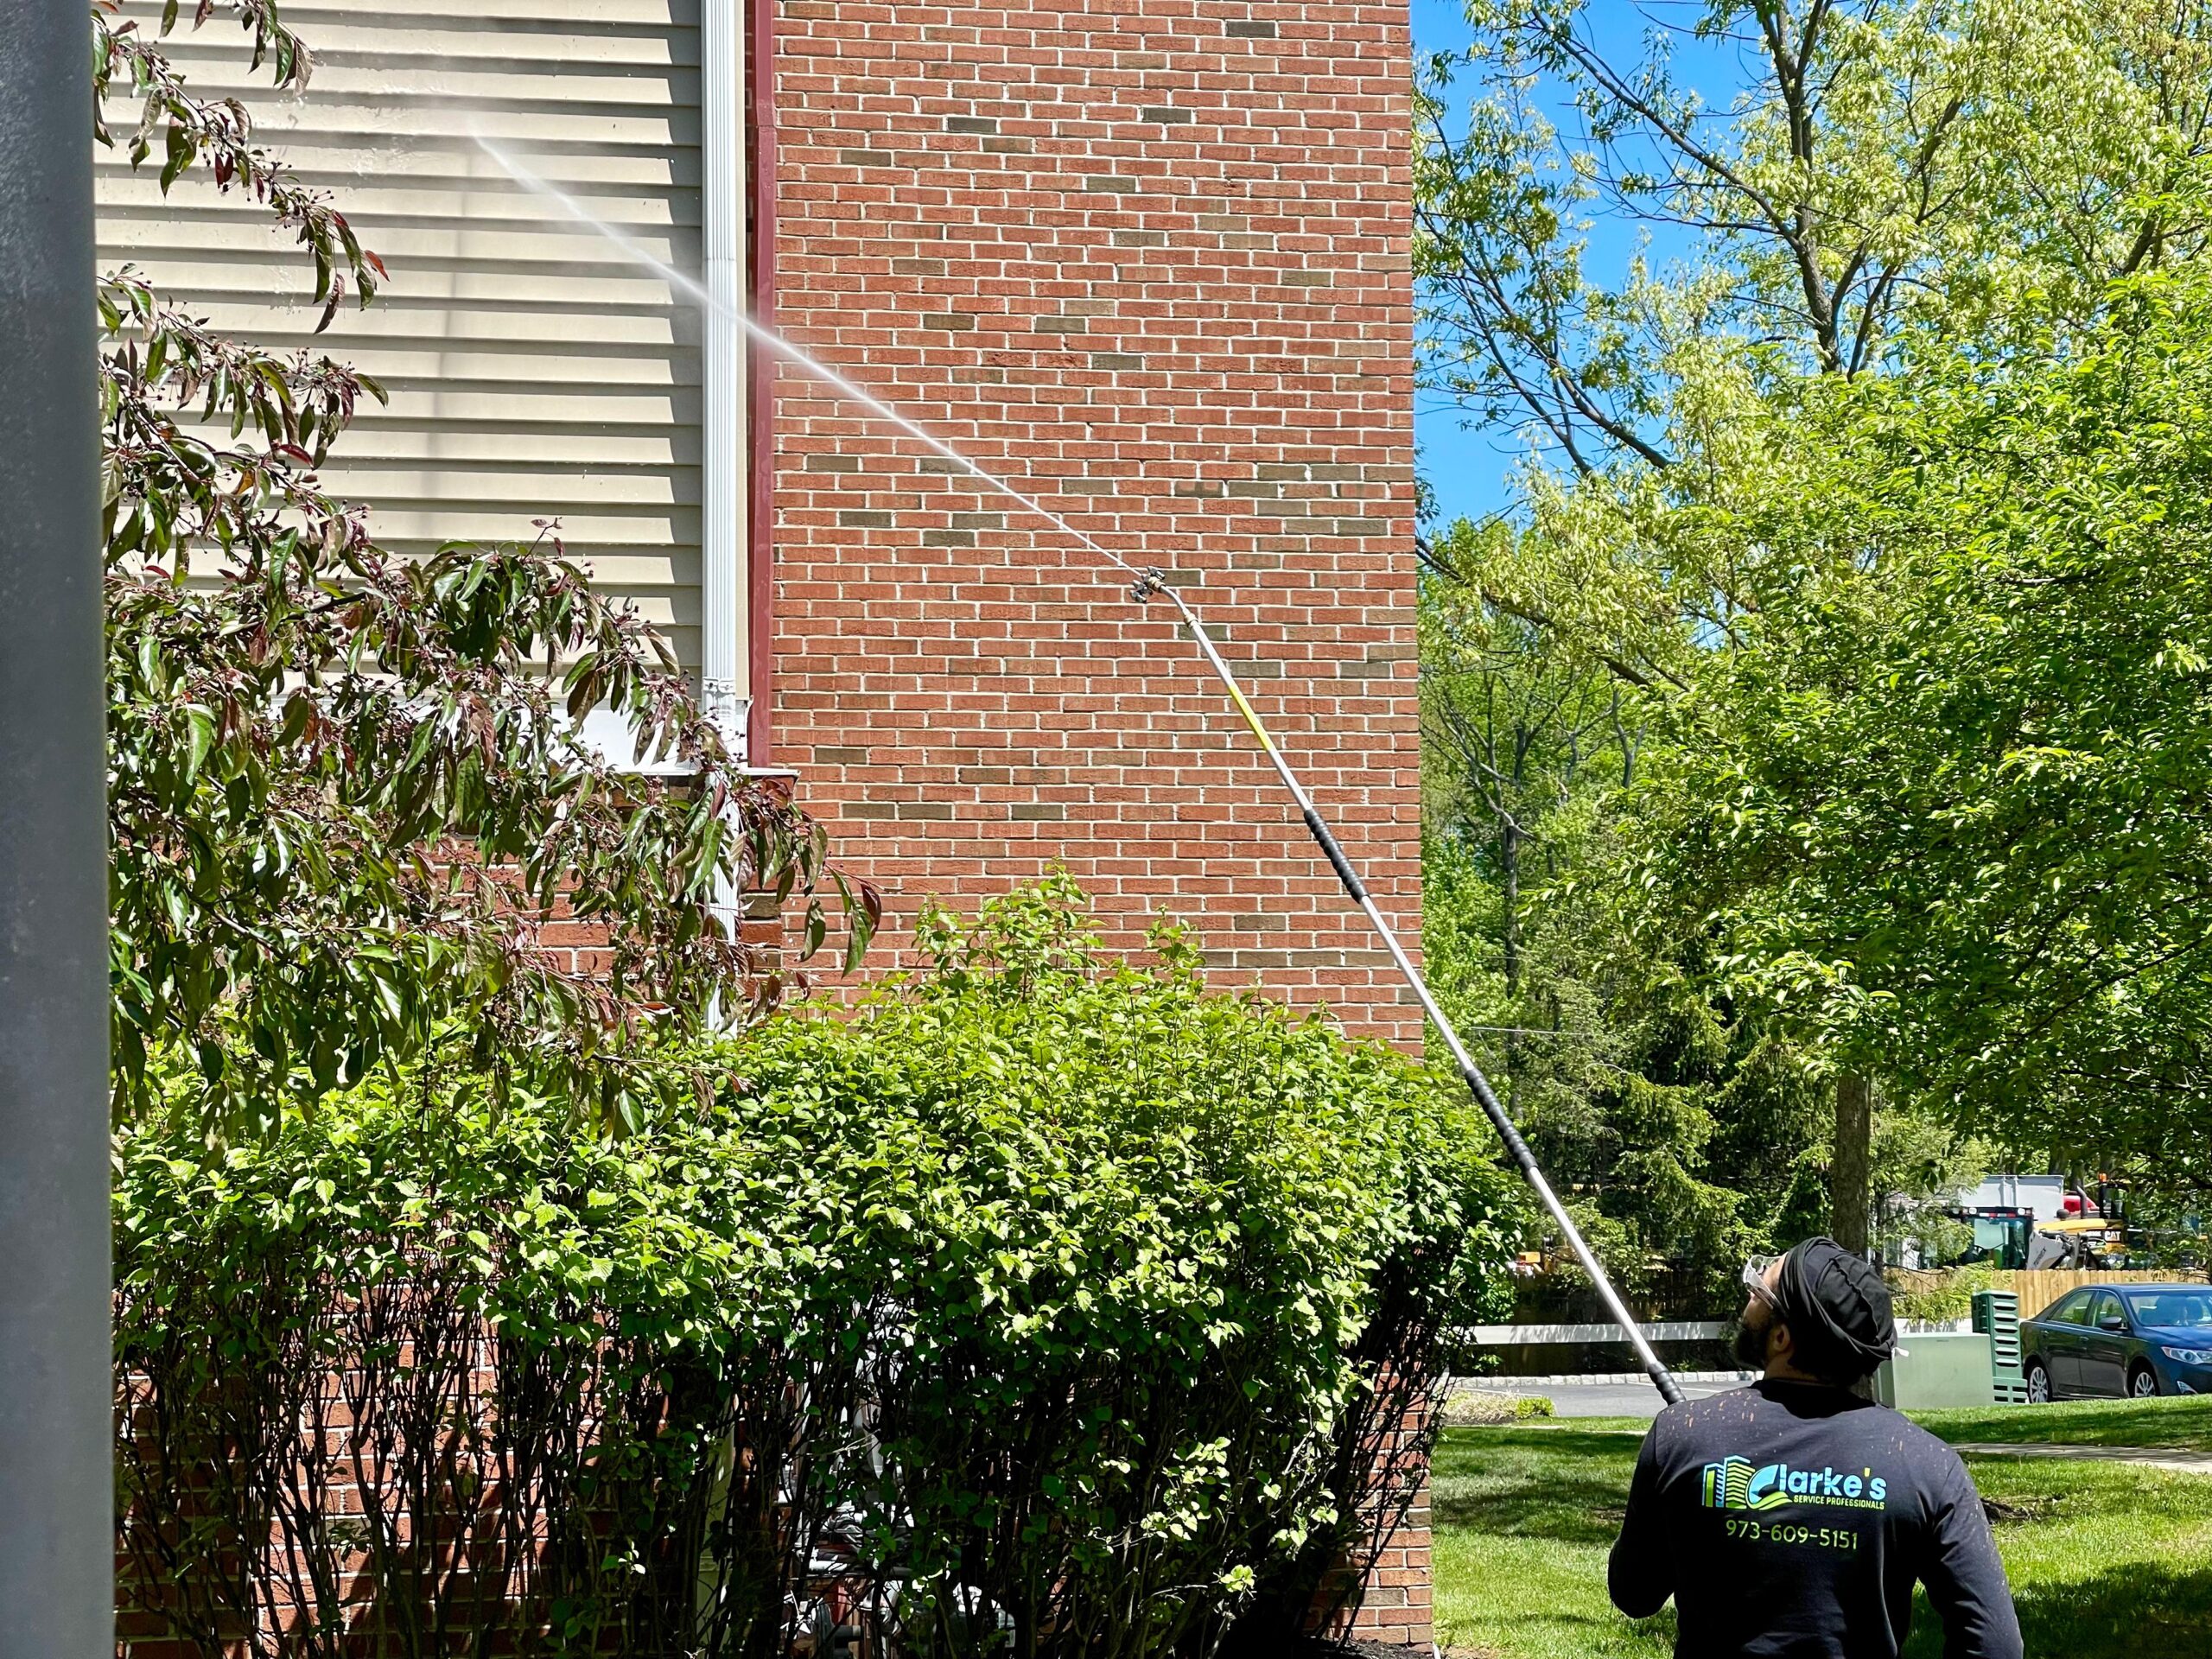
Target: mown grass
1524,1518
2172,1425
2108,1560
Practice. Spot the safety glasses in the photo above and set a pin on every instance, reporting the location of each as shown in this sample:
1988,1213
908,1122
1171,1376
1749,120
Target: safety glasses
1755,1273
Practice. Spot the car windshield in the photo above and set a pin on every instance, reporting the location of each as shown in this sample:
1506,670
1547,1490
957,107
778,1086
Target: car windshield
2171,1307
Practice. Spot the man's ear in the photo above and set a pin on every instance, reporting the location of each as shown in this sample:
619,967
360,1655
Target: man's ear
1778,1344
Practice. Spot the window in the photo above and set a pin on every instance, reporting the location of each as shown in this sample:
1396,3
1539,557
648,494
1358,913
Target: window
2170,1308
536,371
2075,1310
2109,1316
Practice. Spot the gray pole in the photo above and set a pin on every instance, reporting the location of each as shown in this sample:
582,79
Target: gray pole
56,1493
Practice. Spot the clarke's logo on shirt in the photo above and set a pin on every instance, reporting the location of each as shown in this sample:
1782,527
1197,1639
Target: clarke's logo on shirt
1735,1484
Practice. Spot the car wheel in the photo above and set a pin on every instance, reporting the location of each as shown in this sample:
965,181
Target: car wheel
2038,1383
2142,1383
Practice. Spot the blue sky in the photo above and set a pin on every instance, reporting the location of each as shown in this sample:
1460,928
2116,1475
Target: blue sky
1467,467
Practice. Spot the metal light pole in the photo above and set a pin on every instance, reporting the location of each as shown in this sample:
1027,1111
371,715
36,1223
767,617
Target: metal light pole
56,1492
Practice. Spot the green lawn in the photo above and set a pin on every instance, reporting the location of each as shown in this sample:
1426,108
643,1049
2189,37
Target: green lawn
2108,1560
2172,1424
1524,1518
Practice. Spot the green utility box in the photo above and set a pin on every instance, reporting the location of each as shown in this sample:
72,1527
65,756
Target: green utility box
1980,1366
1949,1368
1997,1316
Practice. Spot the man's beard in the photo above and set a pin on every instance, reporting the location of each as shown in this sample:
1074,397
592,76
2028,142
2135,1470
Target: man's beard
1750,1347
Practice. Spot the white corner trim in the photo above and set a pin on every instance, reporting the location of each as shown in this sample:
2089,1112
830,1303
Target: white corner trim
722,469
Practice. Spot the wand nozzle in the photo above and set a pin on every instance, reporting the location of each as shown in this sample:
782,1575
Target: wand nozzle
1149,583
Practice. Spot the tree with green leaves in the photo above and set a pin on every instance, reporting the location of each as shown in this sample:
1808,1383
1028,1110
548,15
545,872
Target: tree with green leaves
1669,1136
1874,176
1944,801
349,789
1874,168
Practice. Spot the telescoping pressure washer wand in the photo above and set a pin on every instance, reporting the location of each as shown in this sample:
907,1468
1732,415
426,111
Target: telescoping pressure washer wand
1149,583
1144,585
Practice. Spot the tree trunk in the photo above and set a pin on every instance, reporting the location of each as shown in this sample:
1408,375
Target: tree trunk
1509,860
1509,864
1851,1204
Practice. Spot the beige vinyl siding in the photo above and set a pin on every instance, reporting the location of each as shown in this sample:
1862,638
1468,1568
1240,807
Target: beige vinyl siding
534,373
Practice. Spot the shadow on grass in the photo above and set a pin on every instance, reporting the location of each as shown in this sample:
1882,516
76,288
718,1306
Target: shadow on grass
1471,1450
1556,1483
2106,1562
2132,1610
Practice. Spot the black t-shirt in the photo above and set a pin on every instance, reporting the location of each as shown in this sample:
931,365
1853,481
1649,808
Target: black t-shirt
1788,1520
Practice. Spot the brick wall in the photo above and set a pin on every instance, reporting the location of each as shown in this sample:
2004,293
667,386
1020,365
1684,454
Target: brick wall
1394,1602
1149,257
1397,1607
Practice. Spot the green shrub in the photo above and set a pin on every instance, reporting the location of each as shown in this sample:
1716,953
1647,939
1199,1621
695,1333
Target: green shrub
1487,1408
1476,1408
1063,1304
430,1301
1939,1298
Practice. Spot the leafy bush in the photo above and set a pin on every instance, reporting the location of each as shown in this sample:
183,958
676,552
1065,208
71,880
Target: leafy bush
1938,1298
348,790
1049,1306
529,1344
1487,1408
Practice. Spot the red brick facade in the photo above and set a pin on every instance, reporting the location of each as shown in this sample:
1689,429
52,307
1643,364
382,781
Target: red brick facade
1396,1606
1396,1603
1148,259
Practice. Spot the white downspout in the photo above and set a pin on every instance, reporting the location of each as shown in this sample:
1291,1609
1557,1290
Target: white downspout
722,462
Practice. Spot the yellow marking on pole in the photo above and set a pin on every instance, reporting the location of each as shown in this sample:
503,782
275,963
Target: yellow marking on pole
1251,718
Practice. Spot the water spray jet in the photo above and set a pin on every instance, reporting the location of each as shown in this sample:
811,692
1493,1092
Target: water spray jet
1146,584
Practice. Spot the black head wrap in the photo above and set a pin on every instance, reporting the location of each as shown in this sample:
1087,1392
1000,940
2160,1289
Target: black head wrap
1837,1309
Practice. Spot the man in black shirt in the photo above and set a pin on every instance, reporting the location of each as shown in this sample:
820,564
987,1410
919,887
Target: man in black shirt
1788,1520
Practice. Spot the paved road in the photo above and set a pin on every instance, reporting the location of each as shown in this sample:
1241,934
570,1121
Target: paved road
1599,1399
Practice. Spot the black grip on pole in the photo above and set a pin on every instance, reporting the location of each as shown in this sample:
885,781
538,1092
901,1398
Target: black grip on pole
1338,861
1491,1107
1478,1086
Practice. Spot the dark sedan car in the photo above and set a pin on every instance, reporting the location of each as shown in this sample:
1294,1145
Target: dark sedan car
2136,1340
